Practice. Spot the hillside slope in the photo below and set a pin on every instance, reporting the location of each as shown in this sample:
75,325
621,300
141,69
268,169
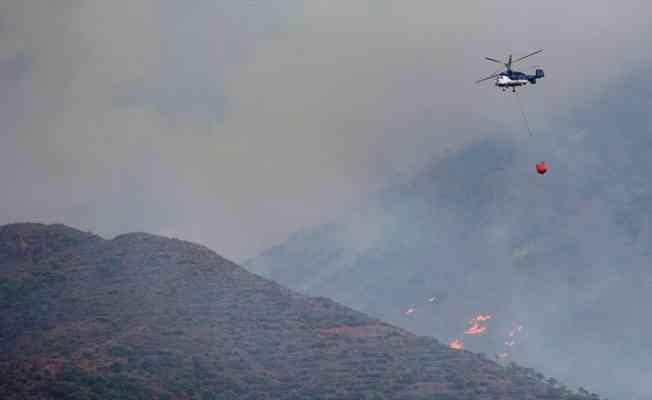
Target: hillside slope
141,317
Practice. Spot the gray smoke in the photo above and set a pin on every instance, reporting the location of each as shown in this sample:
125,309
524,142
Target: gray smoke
565,255
234,123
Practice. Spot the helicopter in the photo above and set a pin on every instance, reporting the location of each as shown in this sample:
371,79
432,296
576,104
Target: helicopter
510,78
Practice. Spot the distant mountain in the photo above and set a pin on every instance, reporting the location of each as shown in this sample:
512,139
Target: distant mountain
145,317
566,256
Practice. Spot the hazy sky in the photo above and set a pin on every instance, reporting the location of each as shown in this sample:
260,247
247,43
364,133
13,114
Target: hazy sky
234,123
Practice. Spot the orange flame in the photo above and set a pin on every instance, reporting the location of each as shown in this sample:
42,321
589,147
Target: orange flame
479,318
456,344
475,329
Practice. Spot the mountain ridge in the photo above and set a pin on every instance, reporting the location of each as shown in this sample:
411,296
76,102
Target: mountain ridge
142,316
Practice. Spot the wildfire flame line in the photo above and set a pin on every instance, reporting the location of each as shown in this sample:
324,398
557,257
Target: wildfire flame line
476,328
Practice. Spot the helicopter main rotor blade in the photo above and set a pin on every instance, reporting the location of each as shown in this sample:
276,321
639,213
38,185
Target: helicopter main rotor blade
524,57
494,60
487,78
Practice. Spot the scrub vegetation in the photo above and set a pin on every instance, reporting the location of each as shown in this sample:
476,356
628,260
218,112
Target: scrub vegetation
145,317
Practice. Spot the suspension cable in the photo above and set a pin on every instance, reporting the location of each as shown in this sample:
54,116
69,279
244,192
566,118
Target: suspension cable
520,107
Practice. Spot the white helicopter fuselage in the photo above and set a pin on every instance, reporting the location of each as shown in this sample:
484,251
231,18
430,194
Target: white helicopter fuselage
505,81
